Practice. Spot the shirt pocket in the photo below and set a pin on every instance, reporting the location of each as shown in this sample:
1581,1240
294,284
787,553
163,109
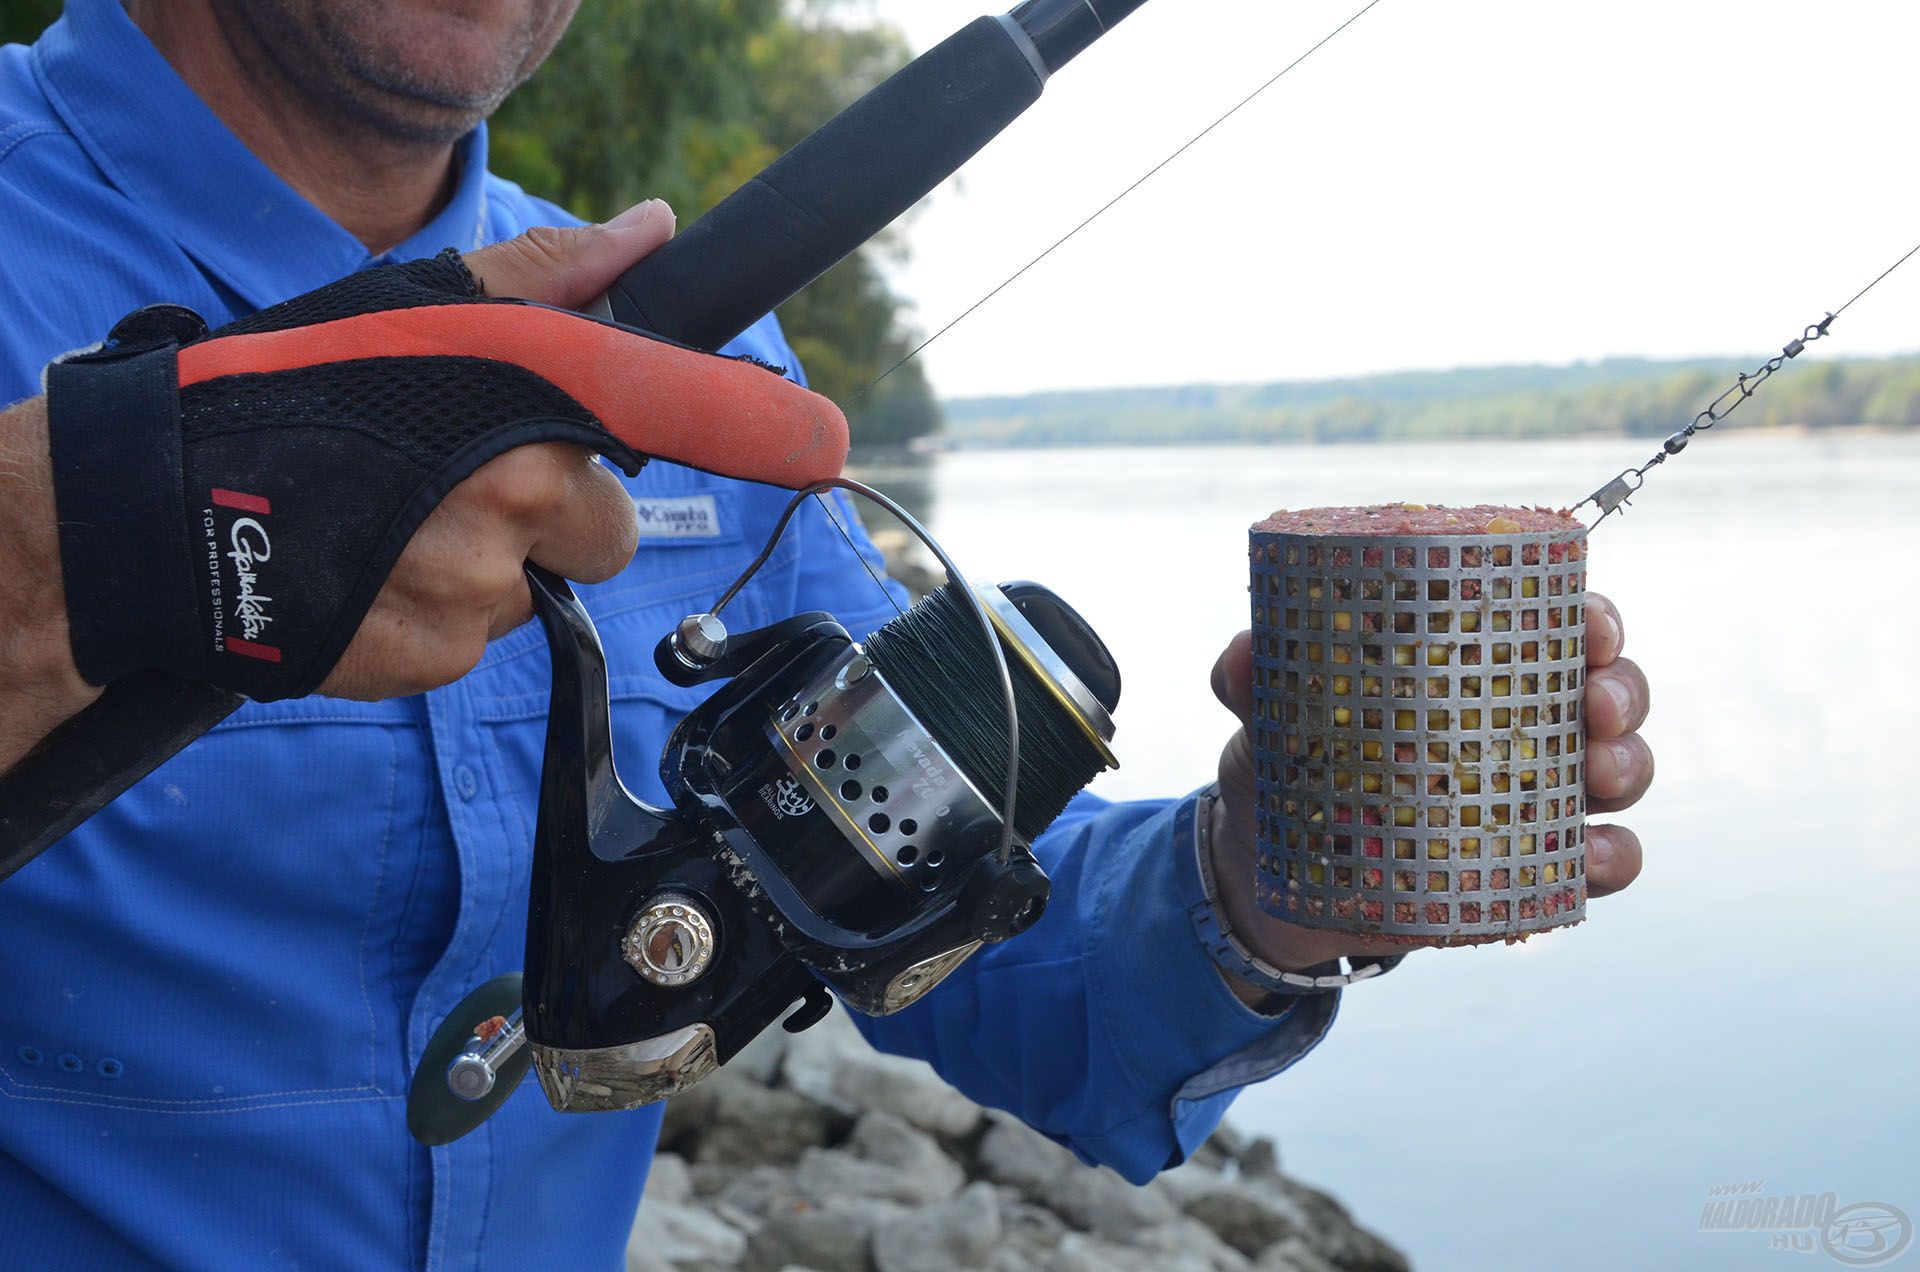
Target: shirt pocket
207,943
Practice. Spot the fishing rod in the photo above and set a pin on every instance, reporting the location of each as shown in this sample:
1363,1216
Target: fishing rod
785,227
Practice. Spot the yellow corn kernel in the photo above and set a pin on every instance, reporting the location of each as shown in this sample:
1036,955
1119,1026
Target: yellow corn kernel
1403,655
1372,751
1503,525
1439,655
1343,684
1403,816
1403,720
1370,783
1343,716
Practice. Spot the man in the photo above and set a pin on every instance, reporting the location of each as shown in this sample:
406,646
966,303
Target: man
215,991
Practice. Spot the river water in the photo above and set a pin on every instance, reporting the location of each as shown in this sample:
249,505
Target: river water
1750,1011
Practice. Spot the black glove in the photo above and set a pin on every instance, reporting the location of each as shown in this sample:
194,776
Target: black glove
231,502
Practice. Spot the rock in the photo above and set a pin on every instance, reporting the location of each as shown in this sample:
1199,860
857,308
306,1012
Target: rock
747,1124
887,1140
818,1239
1029,1235
669,1181
1177,1246
761,1058
961,1233
682,1234
1247,1220
1332,1233
1093,1199
1260,1161
1226,1144
817,1154
1191,1239
758,1192
827,1173
1082,1253
1253,1215
1292,1255
1014,1153
1099,1201
833,1065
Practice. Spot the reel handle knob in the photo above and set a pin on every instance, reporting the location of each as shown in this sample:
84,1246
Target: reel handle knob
688,655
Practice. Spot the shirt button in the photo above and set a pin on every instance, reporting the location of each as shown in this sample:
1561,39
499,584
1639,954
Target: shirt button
465,781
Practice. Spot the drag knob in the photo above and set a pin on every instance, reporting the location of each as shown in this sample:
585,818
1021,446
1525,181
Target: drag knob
671,942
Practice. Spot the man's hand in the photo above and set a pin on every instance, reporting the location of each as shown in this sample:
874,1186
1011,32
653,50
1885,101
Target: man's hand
1619,770
460,584
360,474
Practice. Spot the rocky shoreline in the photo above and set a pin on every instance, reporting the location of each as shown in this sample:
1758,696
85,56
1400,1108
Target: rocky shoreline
817,1154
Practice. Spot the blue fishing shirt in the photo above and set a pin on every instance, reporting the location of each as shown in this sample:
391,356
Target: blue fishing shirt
213,994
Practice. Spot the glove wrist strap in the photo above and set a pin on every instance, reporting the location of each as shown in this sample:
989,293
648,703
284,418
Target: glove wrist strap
124,553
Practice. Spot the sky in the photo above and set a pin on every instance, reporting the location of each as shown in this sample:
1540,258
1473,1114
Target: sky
1465,183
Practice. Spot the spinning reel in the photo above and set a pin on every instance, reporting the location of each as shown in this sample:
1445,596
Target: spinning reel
844,819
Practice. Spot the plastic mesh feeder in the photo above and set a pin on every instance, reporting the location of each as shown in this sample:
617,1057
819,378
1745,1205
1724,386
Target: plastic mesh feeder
1417,683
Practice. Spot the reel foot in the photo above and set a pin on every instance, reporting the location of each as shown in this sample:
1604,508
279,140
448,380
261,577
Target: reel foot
435,1115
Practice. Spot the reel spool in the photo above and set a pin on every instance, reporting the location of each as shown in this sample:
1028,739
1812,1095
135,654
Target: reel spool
1417,734
835,826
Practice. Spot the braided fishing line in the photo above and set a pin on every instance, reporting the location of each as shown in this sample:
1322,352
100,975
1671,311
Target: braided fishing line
1104,208
932,658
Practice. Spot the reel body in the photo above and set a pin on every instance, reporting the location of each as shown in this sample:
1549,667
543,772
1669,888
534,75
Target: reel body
823,837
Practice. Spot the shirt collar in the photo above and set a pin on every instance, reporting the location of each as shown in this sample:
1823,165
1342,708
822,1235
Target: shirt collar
163,148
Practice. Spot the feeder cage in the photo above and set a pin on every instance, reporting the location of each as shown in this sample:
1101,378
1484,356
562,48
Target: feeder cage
1417,680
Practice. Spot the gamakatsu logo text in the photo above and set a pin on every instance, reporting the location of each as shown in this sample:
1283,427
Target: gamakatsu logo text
248,546
1866,1234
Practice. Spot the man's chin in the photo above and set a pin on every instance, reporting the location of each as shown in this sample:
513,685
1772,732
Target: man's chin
420,72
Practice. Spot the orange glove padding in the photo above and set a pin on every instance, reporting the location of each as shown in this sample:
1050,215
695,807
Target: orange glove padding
232,502
722,415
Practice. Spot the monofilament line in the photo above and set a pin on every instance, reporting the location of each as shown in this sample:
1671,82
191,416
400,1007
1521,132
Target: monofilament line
1876,282
1104,208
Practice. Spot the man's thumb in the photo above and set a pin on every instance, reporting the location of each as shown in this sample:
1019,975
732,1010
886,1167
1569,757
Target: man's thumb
568,266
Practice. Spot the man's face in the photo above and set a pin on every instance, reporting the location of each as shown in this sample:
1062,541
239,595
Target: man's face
423,70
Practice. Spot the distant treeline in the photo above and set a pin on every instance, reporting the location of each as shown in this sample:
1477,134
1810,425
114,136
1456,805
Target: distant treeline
1624,396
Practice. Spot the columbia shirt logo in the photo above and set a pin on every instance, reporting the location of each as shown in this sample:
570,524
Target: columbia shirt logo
683,517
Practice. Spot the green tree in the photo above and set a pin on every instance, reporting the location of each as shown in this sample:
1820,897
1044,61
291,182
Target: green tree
686,99
22,20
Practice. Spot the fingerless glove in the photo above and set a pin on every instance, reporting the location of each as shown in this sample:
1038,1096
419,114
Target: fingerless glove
231,502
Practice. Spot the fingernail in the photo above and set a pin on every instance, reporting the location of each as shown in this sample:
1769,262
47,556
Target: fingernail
1599,850
638,213
1219,682
1621,694
1611,622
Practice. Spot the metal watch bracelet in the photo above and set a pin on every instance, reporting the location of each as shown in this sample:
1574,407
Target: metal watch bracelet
1234,958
